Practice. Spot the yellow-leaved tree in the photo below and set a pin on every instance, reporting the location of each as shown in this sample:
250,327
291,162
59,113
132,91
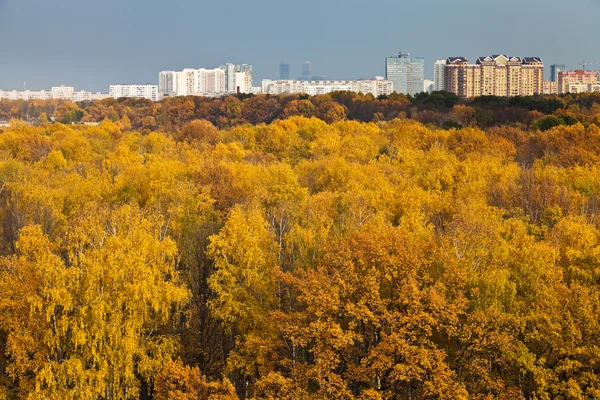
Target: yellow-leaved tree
245,284
83,312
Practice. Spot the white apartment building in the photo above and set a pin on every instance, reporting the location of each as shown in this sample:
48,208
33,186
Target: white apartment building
210,81
226,79
149,92
199,82
439,75
55,93
376,87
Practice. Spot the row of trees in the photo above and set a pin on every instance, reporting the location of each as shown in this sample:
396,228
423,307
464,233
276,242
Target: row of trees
299,260
440,109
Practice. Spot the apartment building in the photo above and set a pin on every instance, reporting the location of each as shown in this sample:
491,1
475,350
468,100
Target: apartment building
55,93
376,87
462,78
579,87
149,92
167,83
550,87
439,69
496,75
212,82
574,81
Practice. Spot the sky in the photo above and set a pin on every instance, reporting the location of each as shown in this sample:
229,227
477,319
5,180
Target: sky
91,44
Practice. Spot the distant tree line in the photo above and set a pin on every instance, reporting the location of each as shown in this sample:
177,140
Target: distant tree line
440,109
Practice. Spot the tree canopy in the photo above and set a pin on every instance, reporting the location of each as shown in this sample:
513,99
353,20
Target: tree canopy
336,247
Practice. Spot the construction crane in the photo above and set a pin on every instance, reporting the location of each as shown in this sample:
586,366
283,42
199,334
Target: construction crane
584,64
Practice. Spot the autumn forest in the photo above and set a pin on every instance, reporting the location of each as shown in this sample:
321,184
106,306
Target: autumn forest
331,247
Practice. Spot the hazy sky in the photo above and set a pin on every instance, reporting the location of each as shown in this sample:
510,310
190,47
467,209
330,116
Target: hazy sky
91,44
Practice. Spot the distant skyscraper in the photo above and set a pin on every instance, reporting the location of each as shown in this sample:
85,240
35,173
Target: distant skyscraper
284,71
555,69
406,73
307,71
438,75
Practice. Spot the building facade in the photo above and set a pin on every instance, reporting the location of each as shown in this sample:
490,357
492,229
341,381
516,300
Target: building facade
407,73
555,69
284,71
55,93
550,87
438,75
226,79
167,83
149,92
306,71
573,81
238,78
579,87
496,75
376,87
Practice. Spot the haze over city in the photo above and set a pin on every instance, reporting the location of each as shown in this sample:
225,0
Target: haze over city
91,45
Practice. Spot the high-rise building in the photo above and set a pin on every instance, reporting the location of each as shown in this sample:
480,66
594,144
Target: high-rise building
307,71
438,75
149,92
214,82
574,81
230,70
238,78
496,75
462,78
284,71
406,73
555,69
167,83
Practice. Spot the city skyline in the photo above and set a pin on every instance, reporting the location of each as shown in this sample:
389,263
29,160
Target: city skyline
110,49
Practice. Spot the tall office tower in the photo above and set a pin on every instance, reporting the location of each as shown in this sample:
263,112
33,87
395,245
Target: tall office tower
167,83
284,71
438,75
406,73
307,71
496,75
555,69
